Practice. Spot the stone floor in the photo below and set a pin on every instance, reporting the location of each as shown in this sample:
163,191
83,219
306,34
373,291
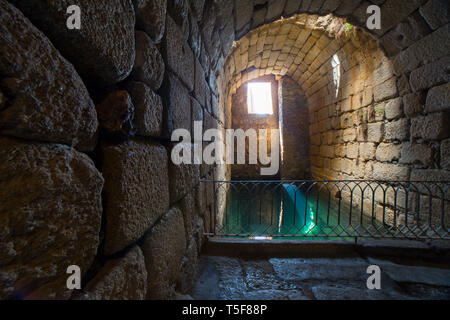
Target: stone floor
227,278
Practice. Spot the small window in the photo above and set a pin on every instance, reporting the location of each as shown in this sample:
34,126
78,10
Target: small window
259,98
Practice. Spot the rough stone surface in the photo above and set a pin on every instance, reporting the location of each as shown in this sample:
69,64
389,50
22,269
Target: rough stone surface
436,13
47,99
116,113
431,74
151,17
50,217
178,54
136,190
102,50
445,154
148,64
417,274
387,152
123,278
397,130
148,109
164,249
438,99
431,127
231,278
177,111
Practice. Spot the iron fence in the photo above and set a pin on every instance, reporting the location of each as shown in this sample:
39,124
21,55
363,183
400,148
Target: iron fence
331,209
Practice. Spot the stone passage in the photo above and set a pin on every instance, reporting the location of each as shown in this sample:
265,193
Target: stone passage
86,118
316,279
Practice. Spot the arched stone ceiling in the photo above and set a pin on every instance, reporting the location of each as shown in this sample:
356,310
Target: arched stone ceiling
303,47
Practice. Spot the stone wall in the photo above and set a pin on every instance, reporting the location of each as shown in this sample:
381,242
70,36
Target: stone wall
295,163
86,116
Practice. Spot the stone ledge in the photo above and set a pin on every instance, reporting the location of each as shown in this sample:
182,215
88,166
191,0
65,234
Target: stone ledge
439,249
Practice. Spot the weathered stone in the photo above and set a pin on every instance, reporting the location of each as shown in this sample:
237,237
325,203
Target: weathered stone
385,90
50,217
274,9
47,101
424,51
416,274
197,6
393,109
123,278
183,178
390,172
186,276
102,50
387,152
116,113
431,127
375,132
445,154
178,54
243,10
413,104
436,13
367,151
416,153
151,17
148,109
177,113
397,130
438,99
430,175
148,64
412,29
136,190
431,74
201,86
291,7
164,249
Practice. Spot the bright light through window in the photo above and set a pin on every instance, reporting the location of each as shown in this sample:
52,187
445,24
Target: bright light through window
259,98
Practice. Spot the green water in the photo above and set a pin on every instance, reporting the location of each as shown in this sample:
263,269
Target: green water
289,212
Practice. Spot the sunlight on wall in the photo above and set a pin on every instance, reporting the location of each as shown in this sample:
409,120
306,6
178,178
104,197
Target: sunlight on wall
336,64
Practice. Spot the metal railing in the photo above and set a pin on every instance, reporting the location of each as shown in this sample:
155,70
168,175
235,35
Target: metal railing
331,209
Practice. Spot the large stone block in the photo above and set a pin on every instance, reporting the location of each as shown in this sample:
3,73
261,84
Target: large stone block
151,17
148,109
123,278
47,101
397,130
445,154
428,49
164,250
102,50
431,74
413,153
436,13
148,65
136,190
50,216
413,104
385,90
183,179
367,151
116,114
201,88
393,109
243,11
387,152
178,54
431,127
375,132
390,172
186,277
177,111
438,99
